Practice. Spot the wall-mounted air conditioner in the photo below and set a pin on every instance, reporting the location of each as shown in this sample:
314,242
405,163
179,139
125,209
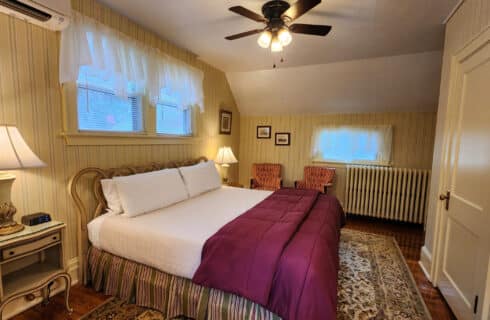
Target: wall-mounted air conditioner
49,14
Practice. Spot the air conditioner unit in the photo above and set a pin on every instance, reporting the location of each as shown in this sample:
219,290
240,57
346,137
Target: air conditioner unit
49,14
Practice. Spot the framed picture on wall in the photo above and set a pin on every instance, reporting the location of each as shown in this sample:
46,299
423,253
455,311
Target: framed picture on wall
264,132
283,138
225,122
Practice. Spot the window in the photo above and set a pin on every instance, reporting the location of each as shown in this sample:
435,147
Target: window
172,120
113,83
100,109
360,145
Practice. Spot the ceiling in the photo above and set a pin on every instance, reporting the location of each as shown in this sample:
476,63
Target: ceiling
388,84
381,55
361,29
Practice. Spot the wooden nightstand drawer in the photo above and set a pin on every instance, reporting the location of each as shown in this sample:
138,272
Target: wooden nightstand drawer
12,252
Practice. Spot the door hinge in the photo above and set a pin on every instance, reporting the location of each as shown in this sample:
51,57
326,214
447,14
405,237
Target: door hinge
446,197
475,306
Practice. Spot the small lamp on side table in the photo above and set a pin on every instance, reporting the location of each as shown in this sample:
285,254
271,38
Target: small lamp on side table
14,154
225,157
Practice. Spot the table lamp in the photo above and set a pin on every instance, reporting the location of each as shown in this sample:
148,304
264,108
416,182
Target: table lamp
14,154
225,157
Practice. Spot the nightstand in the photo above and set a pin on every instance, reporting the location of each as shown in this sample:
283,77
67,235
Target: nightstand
234,184
31,262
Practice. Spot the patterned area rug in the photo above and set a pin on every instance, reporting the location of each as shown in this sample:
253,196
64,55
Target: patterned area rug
374,283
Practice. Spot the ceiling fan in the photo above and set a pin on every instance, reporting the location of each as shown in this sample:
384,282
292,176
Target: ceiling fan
278,16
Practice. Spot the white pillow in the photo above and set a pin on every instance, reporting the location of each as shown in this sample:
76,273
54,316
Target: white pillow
111,196
145,192
200,178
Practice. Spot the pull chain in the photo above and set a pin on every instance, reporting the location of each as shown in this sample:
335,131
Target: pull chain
274,66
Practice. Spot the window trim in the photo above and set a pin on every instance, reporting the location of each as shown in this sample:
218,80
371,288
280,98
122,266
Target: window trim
147,136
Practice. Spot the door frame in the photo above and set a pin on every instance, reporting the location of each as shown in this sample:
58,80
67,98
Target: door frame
450,127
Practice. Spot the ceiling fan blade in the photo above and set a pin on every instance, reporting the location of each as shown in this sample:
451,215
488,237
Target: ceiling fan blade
247,13
244,34
299,8
313,29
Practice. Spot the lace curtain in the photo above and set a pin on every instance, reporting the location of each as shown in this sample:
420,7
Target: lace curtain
349,144
90,49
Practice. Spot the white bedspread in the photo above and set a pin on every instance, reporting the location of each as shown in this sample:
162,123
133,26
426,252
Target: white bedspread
171,239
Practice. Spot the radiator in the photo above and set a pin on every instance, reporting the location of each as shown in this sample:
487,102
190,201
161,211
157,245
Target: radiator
389,193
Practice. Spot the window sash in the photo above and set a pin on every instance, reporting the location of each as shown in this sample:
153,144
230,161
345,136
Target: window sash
91,125
185,124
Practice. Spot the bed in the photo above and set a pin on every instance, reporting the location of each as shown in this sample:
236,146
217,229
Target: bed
168,259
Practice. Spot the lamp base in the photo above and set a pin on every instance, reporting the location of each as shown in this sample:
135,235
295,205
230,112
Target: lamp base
7,223
11,229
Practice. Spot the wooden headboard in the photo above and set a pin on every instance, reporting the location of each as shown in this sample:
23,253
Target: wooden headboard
94,203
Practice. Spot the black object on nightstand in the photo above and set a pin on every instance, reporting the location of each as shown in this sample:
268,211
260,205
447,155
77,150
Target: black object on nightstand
36,218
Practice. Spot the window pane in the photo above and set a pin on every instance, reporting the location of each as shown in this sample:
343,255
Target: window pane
99,110
353,145
172,120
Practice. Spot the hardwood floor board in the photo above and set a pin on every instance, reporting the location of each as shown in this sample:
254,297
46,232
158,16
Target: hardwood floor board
410,239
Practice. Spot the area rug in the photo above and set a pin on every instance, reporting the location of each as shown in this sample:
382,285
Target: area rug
374,283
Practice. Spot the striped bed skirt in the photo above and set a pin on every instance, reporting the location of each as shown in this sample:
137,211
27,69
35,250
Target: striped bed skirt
173,296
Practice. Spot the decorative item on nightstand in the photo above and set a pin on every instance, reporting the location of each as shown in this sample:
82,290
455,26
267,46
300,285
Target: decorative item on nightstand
225,157
15,154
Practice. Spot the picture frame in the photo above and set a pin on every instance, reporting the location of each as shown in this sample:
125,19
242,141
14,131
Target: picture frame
225,119
283,138
264,132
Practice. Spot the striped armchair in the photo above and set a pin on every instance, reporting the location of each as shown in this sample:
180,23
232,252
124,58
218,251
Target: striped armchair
318,178
266,176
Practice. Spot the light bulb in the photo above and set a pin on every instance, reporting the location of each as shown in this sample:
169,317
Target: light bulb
265,39
276,45
284,37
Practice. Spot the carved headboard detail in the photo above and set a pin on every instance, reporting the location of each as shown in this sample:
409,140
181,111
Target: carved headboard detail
94,203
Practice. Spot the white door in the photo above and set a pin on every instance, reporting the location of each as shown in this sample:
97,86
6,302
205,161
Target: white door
465,232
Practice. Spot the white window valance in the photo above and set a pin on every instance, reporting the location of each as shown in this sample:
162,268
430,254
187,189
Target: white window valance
91,49
353,144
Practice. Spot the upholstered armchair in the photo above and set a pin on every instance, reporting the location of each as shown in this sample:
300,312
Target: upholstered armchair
266,176
318,178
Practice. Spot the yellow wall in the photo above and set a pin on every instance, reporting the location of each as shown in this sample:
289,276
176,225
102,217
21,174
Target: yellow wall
30,97
472,17
413,142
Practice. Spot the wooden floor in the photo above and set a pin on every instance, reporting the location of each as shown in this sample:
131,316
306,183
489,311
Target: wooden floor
409,237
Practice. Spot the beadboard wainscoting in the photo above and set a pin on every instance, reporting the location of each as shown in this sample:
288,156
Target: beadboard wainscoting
413,142
31,99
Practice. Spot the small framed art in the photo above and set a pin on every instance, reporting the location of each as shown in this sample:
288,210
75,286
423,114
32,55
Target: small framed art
225,122
264,132
283,138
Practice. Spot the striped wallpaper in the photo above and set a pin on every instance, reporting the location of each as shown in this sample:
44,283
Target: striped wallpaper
413,142
472,18
30,97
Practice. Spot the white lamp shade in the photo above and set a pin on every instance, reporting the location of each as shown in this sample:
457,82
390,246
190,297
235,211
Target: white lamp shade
14,151
225,156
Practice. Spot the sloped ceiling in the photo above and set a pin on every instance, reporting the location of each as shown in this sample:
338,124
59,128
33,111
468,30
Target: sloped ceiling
362,30
387,84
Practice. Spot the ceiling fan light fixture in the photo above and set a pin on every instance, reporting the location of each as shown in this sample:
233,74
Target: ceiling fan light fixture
284,37
265,39
276,45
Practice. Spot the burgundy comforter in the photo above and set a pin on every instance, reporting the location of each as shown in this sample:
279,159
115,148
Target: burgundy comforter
282,254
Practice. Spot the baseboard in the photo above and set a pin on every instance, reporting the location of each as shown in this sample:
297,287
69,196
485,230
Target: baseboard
425,262
21,305
72,269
